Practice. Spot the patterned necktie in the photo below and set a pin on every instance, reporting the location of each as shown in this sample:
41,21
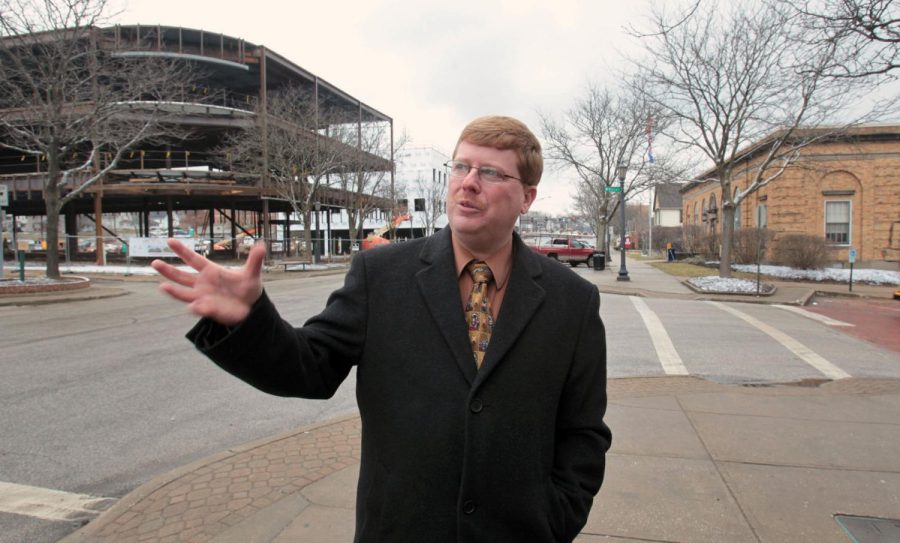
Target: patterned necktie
478,311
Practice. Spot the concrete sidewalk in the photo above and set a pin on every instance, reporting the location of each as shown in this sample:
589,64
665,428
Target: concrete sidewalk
692,461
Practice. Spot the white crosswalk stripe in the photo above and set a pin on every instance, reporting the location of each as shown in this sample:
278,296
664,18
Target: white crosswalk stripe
665,350
814,316
805,353
48,504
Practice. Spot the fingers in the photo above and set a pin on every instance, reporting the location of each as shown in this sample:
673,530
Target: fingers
187,255
181,294
172,273
255,259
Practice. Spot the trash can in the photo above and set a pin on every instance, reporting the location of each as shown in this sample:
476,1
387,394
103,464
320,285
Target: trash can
599,259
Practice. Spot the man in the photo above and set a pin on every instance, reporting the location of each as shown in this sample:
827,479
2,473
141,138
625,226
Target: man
482,404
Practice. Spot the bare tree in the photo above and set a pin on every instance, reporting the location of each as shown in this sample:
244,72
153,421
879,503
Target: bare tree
599,132
593,210
730,76
434,192
296,144
70,103
364,179
865,34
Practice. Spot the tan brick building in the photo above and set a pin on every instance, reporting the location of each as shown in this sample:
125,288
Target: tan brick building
845,188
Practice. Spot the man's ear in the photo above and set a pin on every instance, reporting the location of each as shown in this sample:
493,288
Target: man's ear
530,196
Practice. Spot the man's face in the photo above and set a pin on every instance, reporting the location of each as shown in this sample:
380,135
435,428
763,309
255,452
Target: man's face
483,214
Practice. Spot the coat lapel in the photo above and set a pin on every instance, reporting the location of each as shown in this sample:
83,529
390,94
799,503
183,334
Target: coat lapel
439,287
519,305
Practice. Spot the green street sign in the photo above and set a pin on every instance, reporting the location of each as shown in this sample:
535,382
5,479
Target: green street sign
612,188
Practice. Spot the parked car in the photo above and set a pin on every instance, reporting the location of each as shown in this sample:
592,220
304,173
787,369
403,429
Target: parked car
563,247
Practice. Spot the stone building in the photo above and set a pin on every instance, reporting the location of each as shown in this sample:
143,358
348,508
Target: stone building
844,187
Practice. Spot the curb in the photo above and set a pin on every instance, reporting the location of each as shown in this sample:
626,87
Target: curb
124,505
45,298
687,283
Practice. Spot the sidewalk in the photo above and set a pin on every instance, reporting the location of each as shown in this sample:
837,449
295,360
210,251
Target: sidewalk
692,461
646,280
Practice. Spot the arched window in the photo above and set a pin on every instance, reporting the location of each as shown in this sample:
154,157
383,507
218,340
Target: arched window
696,216
713,212
737,208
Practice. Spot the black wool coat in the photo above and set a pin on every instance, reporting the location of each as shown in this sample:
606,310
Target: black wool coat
512,452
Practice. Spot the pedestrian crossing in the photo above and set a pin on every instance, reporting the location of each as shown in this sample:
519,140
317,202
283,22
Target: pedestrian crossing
814,316
806,354
733,342
665,350
49,504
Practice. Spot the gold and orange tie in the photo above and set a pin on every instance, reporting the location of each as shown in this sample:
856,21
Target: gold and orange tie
478,311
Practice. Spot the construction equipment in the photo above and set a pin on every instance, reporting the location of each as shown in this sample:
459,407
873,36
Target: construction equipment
377,238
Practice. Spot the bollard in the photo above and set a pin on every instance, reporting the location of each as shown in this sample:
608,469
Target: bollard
22,266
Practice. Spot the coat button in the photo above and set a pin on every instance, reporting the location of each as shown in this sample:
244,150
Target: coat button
476,406
469,507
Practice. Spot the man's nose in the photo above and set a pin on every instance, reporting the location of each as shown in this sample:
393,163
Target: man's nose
471,181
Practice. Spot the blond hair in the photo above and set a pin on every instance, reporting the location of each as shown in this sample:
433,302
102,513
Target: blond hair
507,133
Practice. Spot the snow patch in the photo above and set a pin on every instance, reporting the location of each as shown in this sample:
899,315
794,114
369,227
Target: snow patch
872,277
727,285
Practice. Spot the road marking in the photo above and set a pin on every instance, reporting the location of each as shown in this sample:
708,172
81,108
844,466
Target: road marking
814,316
47,504
665,350
807,355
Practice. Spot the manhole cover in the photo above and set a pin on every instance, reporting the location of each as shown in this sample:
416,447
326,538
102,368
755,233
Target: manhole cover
870,529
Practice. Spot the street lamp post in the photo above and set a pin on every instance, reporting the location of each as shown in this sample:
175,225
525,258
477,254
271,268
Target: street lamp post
620,173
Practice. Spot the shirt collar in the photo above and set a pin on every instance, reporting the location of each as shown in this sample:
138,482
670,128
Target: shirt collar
500,262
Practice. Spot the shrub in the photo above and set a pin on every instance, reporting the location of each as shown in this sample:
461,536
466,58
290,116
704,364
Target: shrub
663,235
708,246
691,233
745,243
802,251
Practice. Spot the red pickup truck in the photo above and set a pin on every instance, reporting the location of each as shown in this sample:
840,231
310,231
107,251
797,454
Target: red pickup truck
562,247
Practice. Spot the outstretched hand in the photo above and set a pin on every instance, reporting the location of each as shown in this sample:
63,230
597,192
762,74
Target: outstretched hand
224,295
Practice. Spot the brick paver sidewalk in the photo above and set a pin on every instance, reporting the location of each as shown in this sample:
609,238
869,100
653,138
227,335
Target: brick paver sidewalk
199,501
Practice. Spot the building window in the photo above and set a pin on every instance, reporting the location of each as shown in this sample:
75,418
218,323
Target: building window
837,222
419,203
696,216
762,216
737,208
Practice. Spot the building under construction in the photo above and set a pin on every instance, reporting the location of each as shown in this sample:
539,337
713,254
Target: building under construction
192,174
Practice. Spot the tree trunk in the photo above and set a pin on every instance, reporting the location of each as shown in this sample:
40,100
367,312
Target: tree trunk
53,208
727,222
601,236
307,232
352,229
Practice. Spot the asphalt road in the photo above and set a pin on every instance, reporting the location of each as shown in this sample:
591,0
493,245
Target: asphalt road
98,397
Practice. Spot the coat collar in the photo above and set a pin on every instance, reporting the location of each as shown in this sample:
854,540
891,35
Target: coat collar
440,289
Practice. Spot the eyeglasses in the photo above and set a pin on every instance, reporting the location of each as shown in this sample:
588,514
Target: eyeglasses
457,169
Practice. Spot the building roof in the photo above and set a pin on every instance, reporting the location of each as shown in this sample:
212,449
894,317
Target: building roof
823,134
667,196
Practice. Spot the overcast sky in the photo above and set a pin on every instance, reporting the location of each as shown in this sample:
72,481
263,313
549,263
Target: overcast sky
433,66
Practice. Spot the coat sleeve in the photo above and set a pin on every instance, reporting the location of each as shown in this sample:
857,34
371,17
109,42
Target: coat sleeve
582,437
309,362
